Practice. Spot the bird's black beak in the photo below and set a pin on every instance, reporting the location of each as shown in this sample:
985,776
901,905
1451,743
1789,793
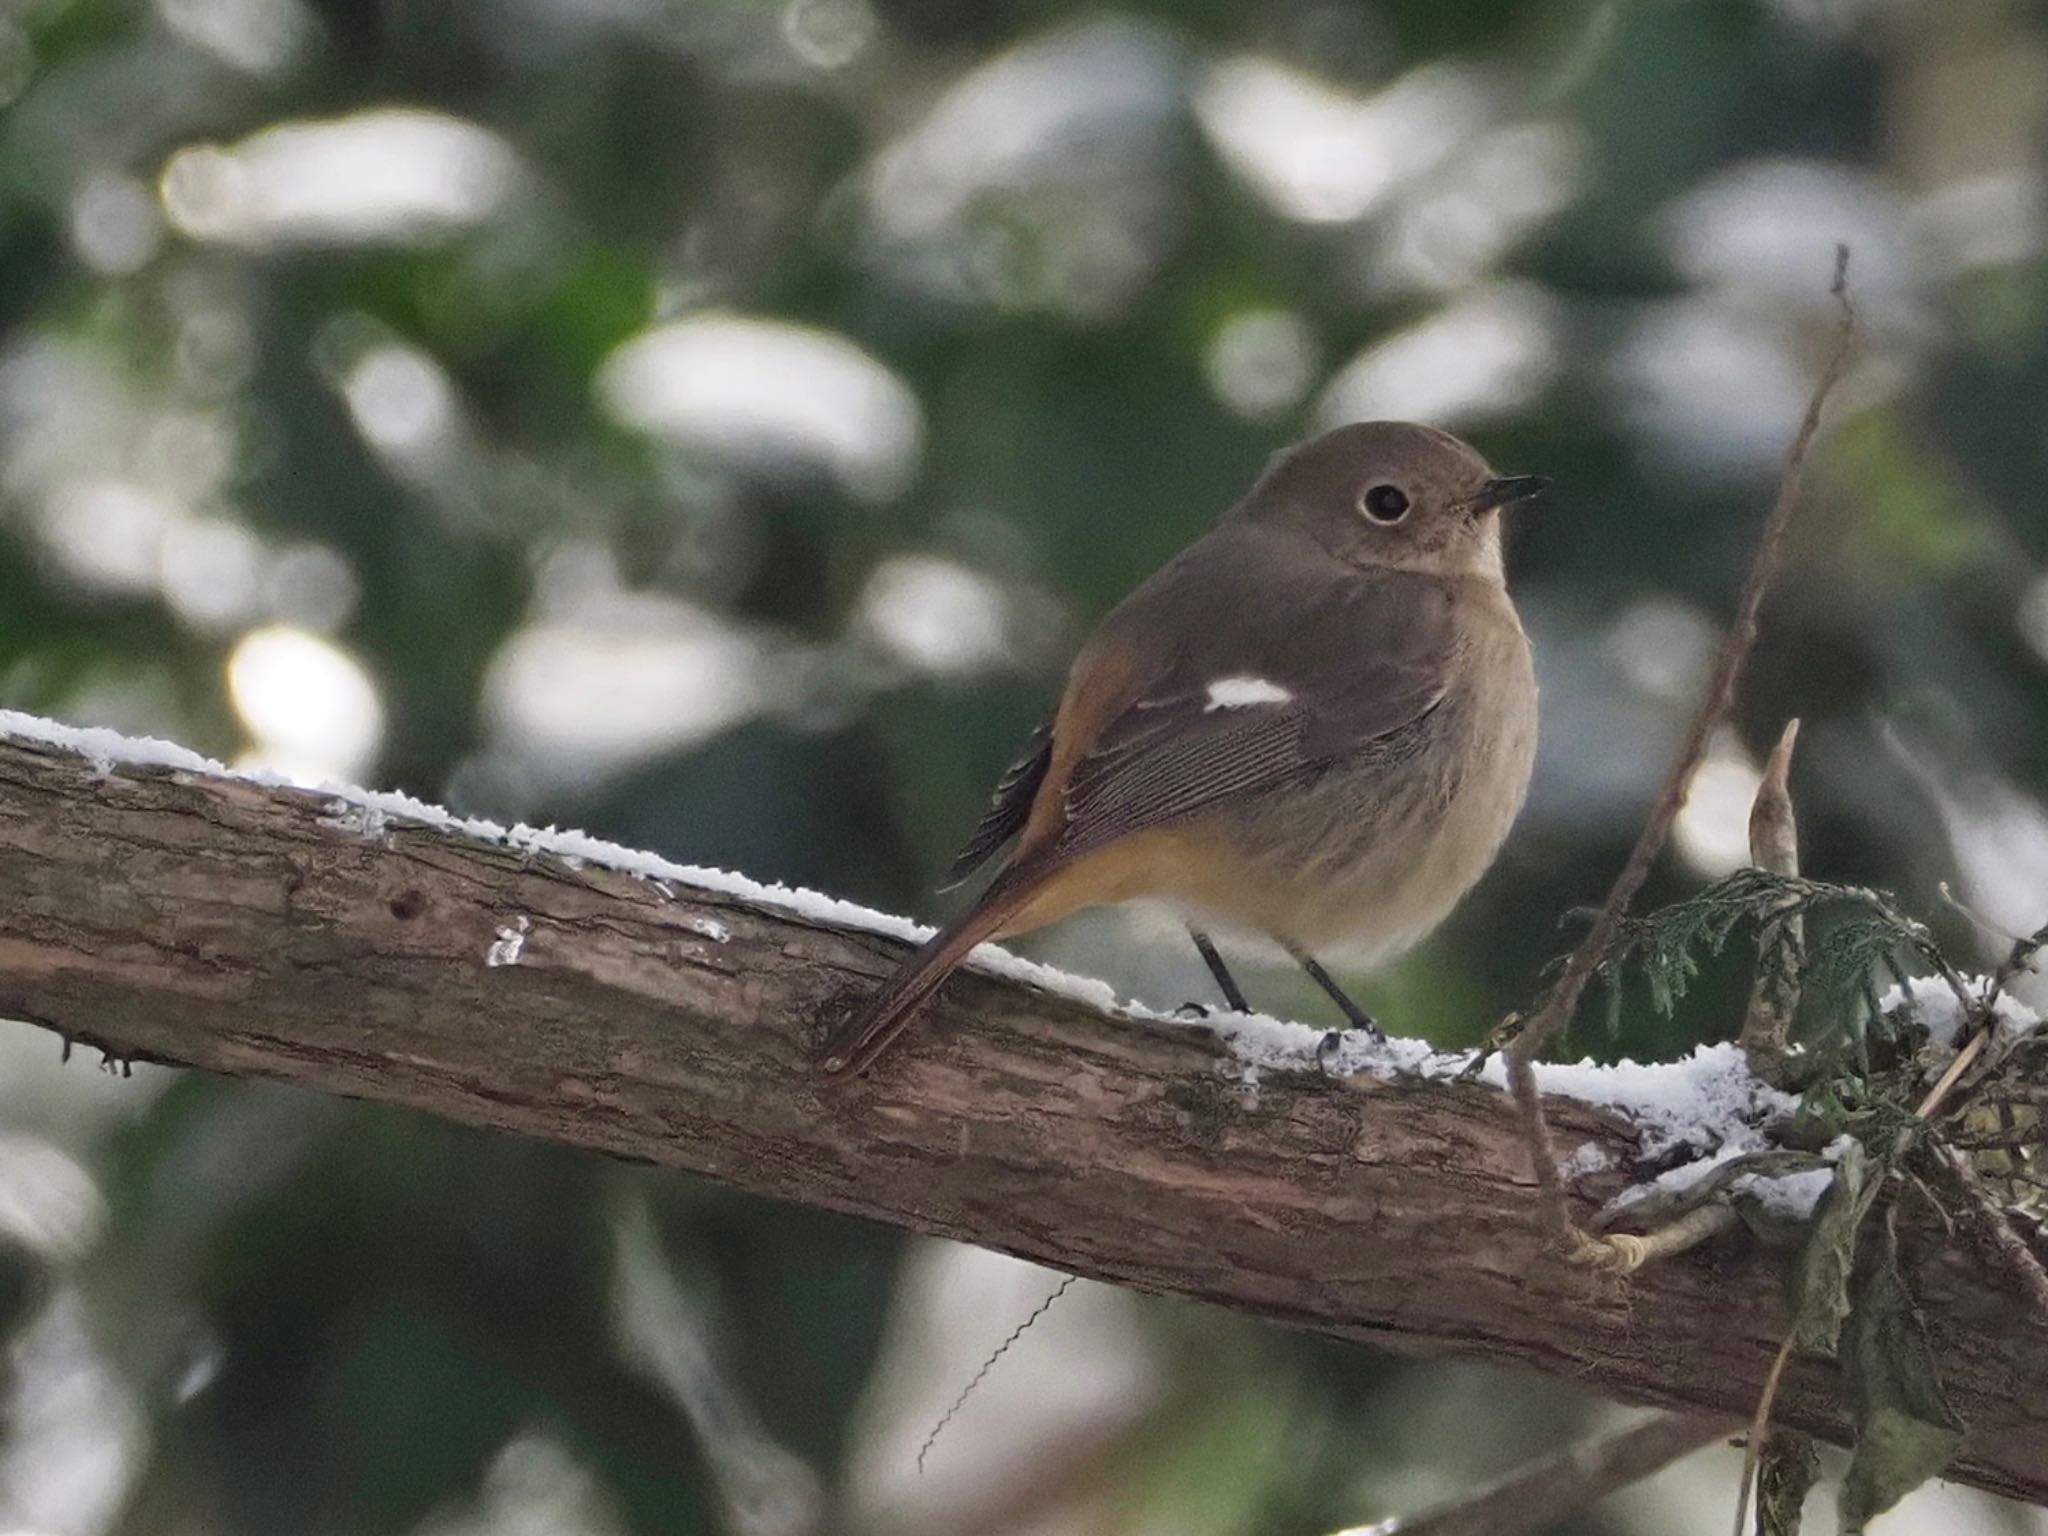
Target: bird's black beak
1507,490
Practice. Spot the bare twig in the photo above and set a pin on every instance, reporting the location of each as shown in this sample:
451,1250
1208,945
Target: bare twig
1623,1253
2021,958
1971,915
1781,946
1537,1496
1578,971
1759,1430
1002,1349
2007,1138
1994,1230
1972,1048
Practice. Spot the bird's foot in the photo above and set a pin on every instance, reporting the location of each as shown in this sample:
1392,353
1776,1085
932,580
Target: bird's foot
1338,1044
1330,1050
1211,1010
1498,1039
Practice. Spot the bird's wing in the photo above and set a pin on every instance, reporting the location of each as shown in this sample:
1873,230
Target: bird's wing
1298,669
1008,808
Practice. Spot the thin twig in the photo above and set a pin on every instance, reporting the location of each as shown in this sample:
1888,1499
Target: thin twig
1976,919
1539,1495
1994,1230
1585,960
1623,1253
1980,1016
2021,959
1759,1428
2013,1137
1965,1058
988,1365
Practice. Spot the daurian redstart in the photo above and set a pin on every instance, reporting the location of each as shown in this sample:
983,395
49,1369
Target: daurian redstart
1316,723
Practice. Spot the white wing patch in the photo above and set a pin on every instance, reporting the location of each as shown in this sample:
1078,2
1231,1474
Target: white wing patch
1244,692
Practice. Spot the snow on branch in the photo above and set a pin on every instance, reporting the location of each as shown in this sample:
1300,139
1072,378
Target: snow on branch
1708,1103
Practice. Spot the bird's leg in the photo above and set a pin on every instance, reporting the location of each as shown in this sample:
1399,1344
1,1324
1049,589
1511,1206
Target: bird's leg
1356,1016
1227,983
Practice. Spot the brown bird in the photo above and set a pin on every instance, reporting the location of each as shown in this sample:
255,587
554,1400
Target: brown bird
1316,723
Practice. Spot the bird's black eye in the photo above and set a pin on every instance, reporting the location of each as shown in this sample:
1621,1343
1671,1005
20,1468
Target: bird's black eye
1385,504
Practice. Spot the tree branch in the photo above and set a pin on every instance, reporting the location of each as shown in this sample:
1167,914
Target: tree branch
1539,1495
174,915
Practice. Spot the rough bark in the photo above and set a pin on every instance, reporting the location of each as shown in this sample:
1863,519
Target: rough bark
184,918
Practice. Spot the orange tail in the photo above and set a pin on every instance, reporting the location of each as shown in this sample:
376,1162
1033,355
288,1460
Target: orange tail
892,1010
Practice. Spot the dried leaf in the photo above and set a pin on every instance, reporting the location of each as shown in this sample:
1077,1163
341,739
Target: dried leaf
1821,1273
1905,1430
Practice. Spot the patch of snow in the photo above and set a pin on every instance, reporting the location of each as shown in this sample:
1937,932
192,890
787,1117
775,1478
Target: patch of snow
104,748
510,943
1792,1196
1707,1101
1245,1075
1934,1004
1244,691
1675,1182
1590,1157
711,928
1788,1193
1264,1041
364,821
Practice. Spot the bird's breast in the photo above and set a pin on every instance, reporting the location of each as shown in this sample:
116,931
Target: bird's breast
1374,851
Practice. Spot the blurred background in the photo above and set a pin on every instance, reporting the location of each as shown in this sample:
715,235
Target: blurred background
712,423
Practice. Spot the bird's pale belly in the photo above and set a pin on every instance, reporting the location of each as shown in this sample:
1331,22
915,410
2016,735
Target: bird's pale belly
1359,864
1370,859
1363,879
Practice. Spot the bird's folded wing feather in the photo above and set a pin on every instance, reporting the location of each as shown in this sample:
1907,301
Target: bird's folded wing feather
1009,808
1291,677
1237,675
